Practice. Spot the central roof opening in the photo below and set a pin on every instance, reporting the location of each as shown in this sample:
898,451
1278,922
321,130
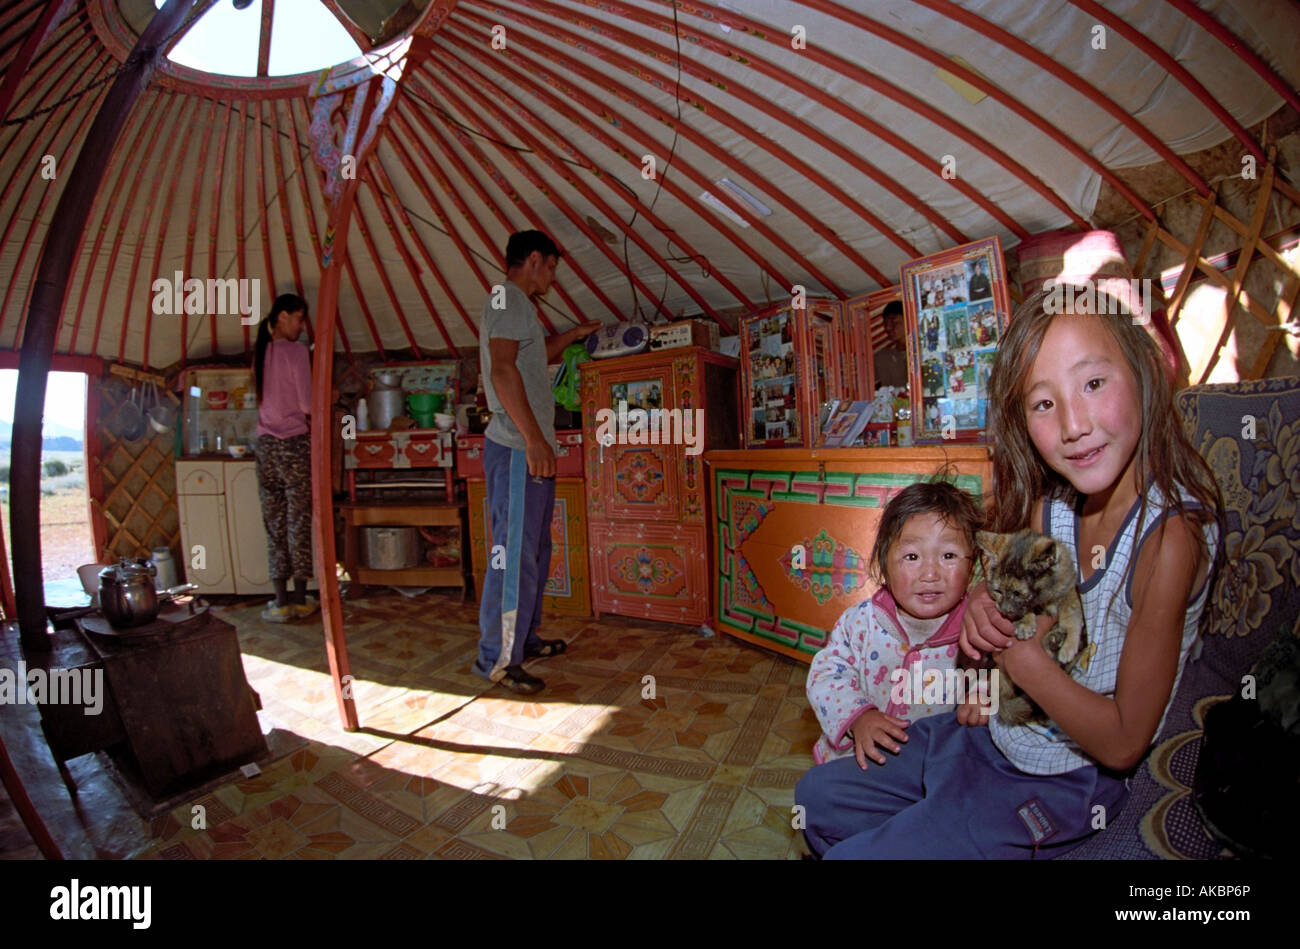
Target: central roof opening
304,37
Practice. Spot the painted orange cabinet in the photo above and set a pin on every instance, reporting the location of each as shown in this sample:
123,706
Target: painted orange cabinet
647,494
793,532
567,587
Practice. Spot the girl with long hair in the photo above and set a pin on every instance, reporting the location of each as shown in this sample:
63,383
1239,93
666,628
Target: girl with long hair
283,370
1087,448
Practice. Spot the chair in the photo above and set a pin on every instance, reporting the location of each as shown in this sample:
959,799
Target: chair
1254,597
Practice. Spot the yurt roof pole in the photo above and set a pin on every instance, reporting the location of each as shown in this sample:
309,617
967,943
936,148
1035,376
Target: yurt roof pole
373,92
49,21
50,290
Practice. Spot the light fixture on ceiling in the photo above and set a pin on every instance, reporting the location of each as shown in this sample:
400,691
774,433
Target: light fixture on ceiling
241,4
755,205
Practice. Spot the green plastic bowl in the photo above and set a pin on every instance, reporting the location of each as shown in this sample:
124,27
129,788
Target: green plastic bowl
425,403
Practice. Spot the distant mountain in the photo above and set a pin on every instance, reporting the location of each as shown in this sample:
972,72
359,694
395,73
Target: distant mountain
54,437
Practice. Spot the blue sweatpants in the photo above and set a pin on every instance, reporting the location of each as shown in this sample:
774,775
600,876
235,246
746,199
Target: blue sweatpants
949,794
510,606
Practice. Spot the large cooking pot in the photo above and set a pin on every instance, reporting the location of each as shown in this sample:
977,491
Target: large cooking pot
386,401
390,548
127,594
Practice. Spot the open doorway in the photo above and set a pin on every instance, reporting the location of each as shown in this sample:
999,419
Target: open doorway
67,541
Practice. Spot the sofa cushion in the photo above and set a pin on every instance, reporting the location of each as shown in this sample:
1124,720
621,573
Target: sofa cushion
1249,432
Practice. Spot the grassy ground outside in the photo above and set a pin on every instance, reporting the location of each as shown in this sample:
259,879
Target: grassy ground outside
66,540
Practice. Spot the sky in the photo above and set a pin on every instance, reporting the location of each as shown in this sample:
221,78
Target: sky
65,397
305,37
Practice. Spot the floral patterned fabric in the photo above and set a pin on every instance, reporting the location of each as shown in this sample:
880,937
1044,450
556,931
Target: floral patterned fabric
1249,433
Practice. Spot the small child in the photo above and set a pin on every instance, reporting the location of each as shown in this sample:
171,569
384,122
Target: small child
923,555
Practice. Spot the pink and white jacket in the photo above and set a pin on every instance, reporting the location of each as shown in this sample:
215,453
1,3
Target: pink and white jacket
853,672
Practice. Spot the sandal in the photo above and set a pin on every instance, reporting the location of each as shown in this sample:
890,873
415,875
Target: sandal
548,648
518,680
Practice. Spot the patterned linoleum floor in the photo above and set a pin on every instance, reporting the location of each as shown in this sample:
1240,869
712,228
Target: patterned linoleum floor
649,742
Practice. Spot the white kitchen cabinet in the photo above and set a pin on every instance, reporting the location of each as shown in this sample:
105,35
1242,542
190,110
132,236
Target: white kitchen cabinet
247,529
221,526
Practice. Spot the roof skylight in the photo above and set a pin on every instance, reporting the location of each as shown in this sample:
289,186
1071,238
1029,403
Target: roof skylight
305,37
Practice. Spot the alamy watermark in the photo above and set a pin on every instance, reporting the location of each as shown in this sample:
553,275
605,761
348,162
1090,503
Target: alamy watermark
651,427
920,686
1100,298
53,687
212,297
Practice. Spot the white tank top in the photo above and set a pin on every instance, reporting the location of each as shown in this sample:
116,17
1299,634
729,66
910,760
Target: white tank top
1107,608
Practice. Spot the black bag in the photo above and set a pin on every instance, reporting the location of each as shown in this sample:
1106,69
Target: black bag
1247,784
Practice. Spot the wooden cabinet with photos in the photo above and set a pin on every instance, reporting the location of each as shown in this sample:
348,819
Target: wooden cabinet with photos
790,366
862,337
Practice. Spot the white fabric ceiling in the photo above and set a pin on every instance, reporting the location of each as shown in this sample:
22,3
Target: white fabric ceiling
196,167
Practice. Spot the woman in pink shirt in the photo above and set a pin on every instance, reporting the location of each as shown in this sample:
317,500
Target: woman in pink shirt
283,369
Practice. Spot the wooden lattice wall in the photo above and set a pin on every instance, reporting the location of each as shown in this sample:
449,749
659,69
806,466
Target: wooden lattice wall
1235,321
136,490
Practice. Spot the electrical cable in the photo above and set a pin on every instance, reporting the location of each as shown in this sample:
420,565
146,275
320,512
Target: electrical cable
672,151
128,62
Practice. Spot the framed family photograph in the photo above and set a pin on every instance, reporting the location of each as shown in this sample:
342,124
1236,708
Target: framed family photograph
956,304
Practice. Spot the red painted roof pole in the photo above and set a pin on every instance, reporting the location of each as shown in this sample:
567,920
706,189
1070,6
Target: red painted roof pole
378,266
414,173
191,229
49,20
493,247
62,242
873,82
566,171
166,172
241,160
45,138
264,207
545,80
719,113
384,189
105,204
552,194
1031,115
538,90
413,268
1229,39
214,214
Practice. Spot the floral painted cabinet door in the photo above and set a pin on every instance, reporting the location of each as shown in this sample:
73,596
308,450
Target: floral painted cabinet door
638,477
646,488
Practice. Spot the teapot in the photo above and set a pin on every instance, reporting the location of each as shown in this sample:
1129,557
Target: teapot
127,594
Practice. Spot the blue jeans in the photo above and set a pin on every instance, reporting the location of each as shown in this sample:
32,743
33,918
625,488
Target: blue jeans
510,604
950,794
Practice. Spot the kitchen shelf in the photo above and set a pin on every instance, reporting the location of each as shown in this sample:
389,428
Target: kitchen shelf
357,516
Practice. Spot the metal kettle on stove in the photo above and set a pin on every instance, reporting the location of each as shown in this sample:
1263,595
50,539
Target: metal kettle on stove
127,594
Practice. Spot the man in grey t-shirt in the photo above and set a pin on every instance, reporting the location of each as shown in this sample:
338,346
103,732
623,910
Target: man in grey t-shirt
519,462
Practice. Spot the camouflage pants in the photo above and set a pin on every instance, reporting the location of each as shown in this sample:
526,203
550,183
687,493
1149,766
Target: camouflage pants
284,486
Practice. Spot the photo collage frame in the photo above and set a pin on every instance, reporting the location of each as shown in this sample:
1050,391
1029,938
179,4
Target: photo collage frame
772,412
956,305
